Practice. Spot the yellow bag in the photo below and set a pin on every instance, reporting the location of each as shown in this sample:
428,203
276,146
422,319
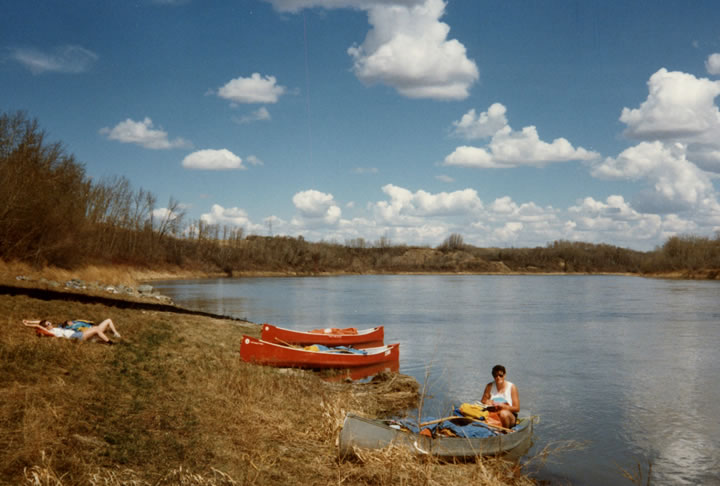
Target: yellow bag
474,411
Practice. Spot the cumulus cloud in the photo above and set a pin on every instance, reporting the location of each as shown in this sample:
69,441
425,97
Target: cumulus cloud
614,220
164,218
508,232
408,48
316,205
713,64
144,134
525,212
508,148
406,206
678,106
63,59
425,218
230,216
473,126
673,178
210,159
255,89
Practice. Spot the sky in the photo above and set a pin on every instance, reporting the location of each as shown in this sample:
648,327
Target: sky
513,123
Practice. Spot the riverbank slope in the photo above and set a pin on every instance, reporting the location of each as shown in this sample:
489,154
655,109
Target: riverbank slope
172,403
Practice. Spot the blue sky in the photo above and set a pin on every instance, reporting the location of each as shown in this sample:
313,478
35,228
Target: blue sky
511,123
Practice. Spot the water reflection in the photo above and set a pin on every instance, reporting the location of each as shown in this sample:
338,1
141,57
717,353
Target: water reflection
628,364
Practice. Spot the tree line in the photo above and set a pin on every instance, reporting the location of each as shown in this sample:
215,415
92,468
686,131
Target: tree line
52,213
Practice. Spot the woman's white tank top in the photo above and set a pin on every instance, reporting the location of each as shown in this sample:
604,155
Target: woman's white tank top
505,396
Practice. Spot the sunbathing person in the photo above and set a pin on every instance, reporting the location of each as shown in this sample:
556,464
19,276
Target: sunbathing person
47,328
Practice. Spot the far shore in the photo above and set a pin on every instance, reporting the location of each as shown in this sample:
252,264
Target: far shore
677,275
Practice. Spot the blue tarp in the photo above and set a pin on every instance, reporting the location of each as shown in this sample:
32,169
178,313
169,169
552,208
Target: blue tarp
472,430
339,349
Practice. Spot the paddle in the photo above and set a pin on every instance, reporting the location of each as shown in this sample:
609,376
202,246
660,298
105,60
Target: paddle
457,417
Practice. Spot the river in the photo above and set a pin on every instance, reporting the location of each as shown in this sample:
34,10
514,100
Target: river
628,367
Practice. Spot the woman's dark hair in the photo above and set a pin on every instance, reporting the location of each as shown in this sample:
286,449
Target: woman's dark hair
497,369
44,323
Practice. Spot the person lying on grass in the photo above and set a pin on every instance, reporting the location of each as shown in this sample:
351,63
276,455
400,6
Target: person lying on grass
74,330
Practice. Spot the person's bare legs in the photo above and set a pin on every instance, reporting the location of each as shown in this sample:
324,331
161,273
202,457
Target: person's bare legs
95,331
105,324
507,418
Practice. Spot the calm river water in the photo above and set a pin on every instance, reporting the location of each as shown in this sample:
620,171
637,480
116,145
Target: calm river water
629,366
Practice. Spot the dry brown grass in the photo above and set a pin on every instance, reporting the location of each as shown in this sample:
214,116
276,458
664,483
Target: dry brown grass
172,404
107,274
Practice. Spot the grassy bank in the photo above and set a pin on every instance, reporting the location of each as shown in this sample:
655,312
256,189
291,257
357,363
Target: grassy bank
172,404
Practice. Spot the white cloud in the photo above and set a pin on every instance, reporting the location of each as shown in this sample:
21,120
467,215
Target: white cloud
316,205
525,212
261,114
163,214
713,64
508,232
472,126
509,149
444,178
407,48
64,59
504,205
614,220
678,106
673,178
424,218
231,216
209,159
144,134
406,207
255,89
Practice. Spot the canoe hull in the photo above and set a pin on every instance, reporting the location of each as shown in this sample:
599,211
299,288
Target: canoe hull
365,338
261,352
359,432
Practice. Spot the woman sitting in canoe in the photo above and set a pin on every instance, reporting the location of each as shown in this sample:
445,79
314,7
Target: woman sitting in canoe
74,329
502,397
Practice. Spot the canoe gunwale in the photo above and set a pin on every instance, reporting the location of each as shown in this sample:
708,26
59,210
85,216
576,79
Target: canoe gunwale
364,338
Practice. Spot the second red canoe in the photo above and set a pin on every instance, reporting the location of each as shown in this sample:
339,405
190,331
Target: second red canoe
261,352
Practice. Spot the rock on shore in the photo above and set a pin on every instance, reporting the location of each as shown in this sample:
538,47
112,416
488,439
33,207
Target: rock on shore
143,291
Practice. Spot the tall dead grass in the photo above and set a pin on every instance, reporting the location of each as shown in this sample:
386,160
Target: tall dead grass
115,275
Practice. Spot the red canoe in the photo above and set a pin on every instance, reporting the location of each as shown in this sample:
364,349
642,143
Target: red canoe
364,338
362,372
262,352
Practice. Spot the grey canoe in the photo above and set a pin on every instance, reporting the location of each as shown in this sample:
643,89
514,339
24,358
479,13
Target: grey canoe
359,432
